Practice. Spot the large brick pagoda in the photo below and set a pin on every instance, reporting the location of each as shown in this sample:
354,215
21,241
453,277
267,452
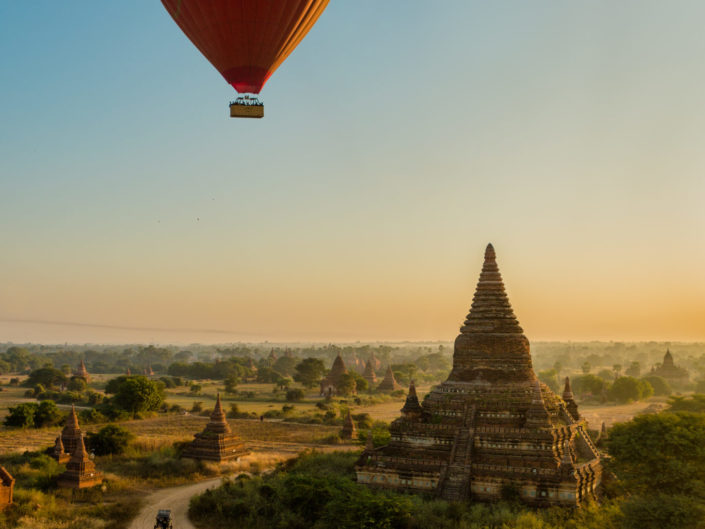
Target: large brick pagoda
491,429
216,442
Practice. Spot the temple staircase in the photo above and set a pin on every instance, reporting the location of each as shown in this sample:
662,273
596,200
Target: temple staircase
455,485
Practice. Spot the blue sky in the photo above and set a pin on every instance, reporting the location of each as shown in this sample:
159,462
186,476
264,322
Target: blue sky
400,137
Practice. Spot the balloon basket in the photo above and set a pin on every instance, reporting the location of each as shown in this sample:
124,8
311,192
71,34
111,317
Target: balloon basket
247,107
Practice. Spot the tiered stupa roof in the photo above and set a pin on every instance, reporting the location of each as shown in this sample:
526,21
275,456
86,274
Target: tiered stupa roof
80,470
71,433
331,383
216,442
491,424
389,382
369,374
82,371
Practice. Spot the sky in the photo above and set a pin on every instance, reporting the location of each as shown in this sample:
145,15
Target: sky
399,138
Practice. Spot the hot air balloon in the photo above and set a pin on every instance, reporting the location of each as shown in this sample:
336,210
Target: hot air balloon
246,40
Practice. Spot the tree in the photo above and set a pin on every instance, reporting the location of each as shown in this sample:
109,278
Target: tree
231,384
22,415
294,395
138,394
694,403
346,384
590,384
196,389
586,367
661,387
660,459
48,414
617,368
46,376
606,374
285,366
634,369
627,389
309,371
77,384
111,439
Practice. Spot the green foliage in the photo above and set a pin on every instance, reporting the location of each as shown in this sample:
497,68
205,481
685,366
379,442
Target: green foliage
588,384
404,373
46,376
48,414
22,415
196,389
606,374
628,389
77,384
659,510
550,378
294,395
693,403
285,366
309,371
660,385
585,367
110,439
347,384
634,370
660,453
361,384
138,394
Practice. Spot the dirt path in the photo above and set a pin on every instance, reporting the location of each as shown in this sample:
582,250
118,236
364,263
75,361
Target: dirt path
176,499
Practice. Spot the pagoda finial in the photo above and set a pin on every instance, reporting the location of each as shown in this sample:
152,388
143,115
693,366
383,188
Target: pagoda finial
218,415
489,253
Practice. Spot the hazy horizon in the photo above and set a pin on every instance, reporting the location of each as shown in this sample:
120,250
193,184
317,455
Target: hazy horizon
398,141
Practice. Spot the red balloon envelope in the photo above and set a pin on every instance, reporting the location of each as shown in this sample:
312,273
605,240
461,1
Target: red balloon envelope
246,40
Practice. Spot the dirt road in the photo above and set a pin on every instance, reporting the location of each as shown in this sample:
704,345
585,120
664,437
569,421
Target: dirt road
175,499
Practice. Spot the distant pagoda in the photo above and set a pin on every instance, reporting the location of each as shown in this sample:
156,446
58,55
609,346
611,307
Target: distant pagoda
58,452
349,430
71,433
491,427
389,383
369,374
674,375
331,384
7,486
216,442
82,371
80,470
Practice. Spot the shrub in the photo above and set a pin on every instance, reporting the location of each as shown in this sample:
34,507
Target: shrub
661,387
294,395
110,439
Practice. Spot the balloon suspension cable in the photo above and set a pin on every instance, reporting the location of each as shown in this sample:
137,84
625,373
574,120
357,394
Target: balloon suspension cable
247,106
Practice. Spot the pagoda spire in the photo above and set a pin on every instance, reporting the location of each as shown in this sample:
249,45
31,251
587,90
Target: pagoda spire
491,311
72,419
412,408
537,415
218,423
389,383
